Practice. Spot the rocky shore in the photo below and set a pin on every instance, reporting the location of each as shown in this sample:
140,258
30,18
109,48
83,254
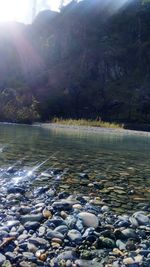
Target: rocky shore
40,226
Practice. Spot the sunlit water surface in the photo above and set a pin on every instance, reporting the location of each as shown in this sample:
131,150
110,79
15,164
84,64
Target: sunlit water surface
112,168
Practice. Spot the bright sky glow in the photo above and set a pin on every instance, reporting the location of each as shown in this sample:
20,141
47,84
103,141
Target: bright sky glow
21,10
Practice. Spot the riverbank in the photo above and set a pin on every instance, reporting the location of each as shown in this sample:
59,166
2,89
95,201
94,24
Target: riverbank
90,129
41,226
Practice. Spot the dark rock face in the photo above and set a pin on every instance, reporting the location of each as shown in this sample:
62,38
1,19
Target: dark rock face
90,60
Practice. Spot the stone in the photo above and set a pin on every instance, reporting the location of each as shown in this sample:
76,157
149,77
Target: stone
74,236
37,241
63,229
31,225
47,214
67,255
62,205
2,259
6,264
89,219
32,218
120,245
128,261
105,209
77,206
54,234
141,218
129,233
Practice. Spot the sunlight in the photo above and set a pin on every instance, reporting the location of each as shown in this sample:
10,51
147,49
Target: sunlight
14,10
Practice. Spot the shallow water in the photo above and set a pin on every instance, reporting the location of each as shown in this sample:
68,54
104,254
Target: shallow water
120,164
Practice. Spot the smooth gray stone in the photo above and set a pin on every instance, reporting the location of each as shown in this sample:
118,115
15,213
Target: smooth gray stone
32,218
10,256
89,219
134,222
129,233
54,234
62,205
120,245
74,236
86,263
63,229
31,225
67,255
2,259
37,241
12,223
6,264
3,234
141,218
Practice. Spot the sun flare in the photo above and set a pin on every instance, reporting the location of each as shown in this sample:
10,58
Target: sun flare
21,10
11,10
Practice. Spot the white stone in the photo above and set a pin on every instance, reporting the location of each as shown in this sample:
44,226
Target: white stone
89,219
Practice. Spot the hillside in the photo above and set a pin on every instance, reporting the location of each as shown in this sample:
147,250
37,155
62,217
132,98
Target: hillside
90,60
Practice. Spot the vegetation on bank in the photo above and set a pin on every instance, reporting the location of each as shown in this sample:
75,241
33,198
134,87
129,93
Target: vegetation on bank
83,62
83,122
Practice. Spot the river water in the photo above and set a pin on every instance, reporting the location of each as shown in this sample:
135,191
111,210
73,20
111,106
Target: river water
114,168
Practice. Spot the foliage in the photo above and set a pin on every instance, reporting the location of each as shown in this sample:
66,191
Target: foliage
83,122
90,60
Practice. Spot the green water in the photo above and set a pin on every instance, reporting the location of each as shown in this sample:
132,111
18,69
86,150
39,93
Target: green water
119,163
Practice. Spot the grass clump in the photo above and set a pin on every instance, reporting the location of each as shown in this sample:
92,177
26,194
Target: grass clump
84,122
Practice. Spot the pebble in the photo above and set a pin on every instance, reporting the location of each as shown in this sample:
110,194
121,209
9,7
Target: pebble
89,219
74,236
2,258
50,229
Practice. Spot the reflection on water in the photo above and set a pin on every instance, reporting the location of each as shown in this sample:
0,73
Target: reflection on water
113,168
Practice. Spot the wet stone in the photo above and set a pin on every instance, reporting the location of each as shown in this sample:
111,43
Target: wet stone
2,258
74,236
89,219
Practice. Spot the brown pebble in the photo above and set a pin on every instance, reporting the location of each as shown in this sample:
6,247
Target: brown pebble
57,240
55,245
43,257
63,214
47,214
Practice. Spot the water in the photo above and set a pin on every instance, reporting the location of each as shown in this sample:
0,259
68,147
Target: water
119,164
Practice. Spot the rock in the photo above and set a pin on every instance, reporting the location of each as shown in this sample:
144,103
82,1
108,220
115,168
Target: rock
108,243
89,219
31,225
2,259
10,256
120,245
141,218
129,233
27,264
54,234
32,218
67,255
6,264
29,256
42,231
74,236
15,189
12,223
133,222
47,214
32,248
105,209
62,205
130,245
87,263
38,241
63,229
77,206
128,261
